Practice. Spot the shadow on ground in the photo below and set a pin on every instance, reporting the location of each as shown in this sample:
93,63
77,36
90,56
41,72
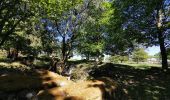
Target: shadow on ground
114,82
137,84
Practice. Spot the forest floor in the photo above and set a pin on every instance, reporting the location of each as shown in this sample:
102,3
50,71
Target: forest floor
132,83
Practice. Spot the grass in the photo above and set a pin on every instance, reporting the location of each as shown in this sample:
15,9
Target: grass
141,65
137,81
41,64
14,67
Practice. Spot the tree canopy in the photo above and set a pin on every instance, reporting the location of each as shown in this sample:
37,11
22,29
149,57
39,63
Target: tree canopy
90,27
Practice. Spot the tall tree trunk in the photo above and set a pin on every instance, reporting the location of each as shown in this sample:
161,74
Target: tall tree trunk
163,50
160,31
64,58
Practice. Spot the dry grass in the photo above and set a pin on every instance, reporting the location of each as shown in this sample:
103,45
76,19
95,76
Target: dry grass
39,79
54,86
12,66
82,90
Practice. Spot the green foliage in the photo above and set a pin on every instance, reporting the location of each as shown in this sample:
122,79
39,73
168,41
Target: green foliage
91,39
157,55
54,9
91,27
119,58
13,13
133,22
2,55
139,22
139,55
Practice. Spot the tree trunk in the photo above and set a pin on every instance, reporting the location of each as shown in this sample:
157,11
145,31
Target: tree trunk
64,54
8,53
163,50
87,57
161,39
121,61
14,54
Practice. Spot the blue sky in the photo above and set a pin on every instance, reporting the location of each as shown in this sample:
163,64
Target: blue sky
152,50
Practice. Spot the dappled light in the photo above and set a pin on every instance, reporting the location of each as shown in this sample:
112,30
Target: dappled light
84,49
137,83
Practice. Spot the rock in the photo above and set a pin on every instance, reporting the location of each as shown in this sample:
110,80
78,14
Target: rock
29,95
26,94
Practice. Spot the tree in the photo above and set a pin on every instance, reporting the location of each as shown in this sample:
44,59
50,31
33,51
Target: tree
91,41
16,44
161,31
139,55
119,58
68,28
12,13
24,14
142,22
